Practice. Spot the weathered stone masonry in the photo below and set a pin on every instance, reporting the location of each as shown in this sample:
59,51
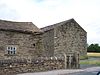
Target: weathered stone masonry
23,40
53,40
28,45
22,65
20,40
63,37
48,41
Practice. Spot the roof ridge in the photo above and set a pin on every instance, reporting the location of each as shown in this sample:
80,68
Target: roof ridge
49,27
19,26
59,22
15,21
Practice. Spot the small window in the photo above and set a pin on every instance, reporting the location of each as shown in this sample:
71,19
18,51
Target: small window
11,50
8,47
14,48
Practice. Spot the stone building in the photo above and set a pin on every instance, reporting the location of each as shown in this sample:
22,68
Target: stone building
64,37
24,39
23,45
19,40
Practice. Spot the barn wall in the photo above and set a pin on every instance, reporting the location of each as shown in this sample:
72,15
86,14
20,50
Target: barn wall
27,44
48,41
70,37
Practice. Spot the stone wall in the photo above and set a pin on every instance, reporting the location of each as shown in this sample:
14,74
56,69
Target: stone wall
27,44
23,65
48,41
64,38
13,66
70,37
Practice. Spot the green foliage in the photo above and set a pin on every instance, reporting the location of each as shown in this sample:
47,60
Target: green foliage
93,48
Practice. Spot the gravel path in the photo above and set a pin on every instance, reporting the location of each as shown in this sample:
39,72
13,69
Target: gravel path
86,71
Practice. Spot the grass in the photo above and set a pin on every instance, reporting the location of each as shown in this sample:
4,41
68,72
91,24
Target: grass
91,62
83,57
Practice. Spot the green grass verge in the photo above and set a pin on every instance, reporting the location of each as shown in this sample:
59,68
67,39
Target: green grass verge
90,62
83,57
94,62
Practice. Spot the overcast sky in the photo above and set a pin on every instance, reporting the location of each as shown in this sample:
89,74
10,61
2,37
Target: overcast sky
47,12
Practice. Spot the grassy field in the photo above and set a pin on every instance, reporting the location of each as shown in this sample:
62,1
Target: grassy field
92,62
93,54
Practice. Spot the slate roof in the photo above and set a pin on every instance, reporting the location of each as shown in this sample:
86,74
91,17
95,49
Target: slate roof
47,28
26,27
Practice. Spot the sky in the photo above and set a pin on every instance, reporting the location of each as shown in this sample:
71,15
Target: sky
47,12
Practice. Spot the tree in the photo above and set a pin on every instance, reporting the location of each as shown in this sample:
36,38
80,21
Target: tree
93,48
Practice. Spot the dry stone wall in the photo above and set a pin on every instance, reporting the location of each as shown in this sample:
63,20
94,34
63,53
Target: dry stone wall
14,66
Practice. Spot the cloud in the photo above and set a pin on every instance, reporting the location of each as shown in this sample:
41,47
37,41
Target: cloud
47,12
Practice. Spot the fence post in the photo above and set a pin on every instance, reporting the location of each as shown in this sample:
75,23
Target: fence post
70,61
78,65
76,55
65,60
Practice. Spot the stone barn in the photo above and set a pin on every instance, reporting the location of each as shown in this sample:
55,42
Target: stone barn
26,48
20,39
64,37
24,39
